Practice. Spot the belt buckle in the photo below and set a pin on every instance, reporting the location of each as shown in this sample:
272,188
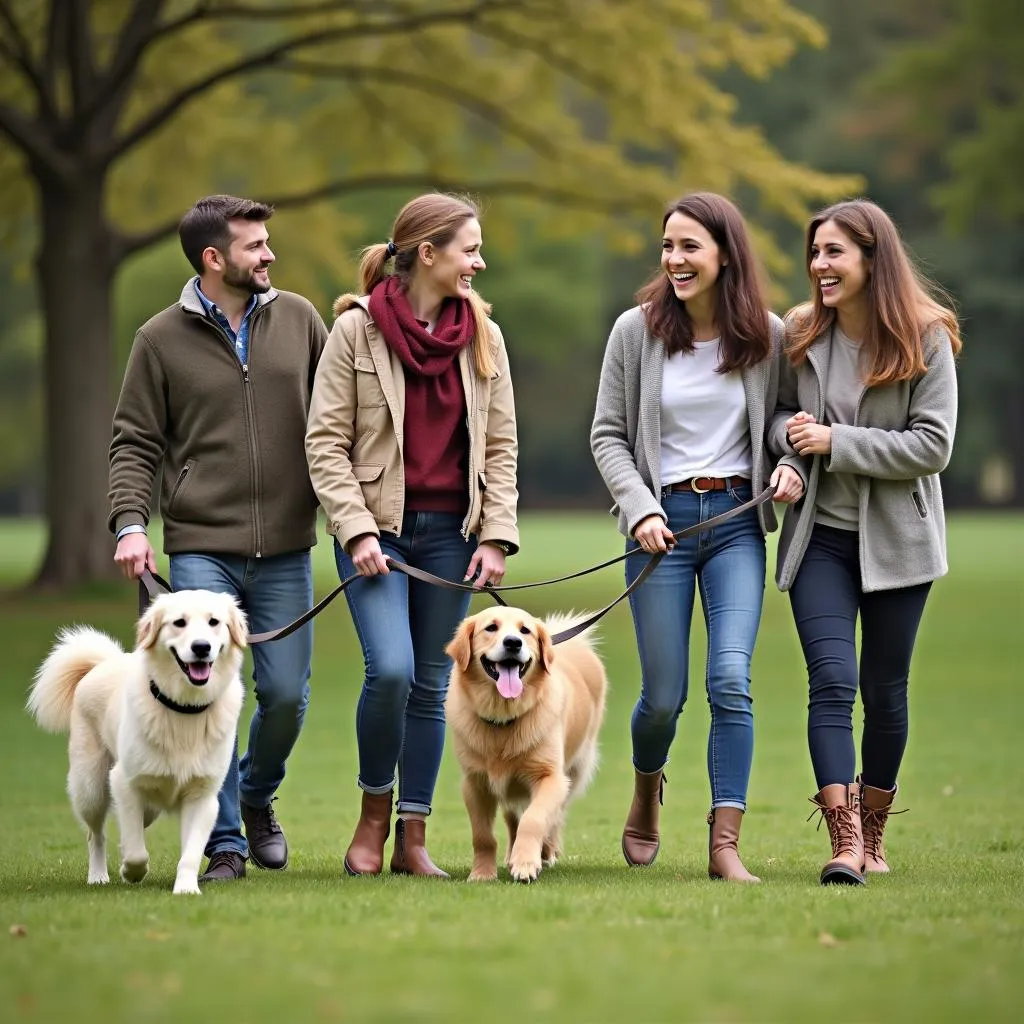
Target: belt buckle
699,490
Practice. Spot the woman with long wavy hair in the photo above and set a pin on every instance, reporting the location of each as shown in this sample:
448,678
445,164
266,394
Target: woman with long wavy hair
411,445
687,388
868,399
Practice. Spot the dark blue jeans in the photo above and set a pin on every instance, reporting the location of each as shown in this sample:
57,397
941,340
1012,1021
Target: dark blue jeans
404,626
826,598
272,591
728,565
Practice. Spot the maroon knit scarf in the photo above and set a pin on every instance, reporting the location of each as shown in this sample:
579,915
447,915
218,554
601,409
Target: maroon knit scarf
425,353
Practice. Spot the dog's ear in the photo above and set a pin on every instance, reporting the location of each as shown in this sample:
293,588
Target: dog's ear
460,650
238,626
147,629
547,648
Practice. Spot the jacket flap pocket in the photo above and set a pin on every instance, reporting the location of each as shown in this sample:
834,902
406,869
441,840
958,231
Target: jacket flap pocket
365,364
367,472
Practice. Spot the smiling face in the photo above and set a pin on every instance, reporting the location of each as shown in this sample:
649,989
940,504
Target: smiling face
449,270
246,264
838,267
502,648
195,627
691,258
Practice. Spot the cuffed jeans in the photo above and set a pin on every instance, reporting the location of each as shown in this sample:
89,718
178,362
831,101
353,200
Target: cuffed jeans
826,598
403,627
272,591
727,564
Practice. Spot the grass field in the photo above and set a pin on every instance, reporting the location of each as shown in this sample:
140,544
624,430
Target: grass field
941,939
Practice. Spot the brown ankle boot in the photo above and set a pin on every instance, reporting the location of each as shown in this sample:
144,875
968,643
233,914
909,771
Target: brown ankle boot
723,846
365,855
640,838
840,807
875,808
410,856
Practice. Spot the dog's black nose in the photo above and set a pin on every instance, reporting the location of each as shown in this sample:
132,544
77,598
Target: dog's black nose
513,643
201,648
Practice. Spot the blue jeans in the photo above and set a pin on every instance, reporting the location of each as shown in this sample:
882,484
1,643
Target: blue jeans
404,626
272,591
826,598
727,563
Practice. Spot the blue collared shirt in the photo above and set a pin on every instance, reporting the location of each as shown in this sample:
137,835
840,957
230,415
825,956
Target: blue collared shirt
241,339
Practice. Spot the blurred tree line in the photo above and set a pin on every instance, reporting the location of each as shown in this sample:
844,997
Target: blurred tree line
573,120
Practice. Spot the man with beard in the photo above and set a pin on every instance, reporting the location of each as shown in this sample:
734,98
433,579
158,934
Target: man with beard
218,388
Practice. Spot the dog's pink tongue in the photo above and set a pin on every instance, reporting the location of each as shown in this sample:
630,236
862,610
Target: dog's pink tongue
509,684
199,671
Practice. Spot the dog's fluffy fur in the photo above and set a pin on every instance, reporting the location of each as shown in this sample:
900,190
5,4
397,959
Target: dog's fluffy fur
128,747
524,717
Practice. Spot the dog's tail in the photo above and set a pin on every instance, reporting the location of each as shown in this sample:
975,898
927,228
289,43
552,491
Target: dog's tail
77,652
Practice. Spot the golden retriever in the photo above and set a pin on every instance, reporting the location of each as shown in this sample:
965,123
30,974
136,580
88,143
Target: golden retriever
152,730
524,717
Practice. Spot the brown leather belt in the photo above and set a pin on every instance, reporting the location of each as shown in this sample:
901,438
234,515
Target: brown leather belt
703,484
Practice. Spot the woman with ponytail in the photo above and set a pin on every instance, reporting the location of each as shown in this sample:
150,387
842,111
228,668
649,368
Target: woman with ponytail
412,450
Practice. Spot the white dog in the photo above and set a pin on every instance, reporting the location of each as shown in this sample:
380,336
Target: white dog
152,729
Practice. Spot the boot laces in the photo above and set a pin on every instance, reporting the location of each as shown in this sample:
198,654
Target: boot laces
265,822
842,824
873,822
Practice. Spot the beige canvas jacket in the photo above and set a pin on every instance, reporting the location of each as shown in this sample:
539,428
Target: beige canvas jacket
355,434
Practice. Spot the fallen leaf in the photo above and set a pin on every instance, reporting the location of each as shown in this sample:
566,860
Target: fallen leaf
947,790
19,931
158,936
827,939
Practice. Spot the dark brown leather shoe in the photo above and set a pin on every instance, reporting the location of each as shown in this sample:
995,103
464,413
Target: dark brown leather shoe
410,856
365,854
224,866
268,847
641,839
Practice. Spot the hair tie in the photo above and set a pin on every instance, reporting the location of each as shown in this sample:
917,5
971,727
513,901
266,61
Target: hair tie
392,248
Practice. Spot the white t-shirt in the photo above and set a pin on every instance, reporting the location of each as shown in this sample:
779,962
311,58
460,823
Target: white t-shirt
705,430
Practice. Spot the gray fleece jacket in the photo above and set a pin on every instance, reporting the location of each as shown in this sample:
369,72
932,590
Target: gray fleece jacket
626,434
902,437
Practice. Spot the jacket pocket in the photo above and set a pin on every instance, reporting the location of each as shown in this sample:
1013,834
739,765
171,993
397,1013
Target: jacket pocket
919,503
181,485
369,391
370,477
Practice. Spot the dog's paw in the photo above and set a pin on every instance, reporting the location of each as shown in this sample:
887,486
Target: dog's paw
524,868
483,875
134,870
96,878
187,886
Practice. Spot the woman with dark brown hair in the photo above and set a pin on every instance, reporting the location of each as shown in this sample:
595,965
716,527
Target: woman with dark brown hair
868,399
687,388
411,445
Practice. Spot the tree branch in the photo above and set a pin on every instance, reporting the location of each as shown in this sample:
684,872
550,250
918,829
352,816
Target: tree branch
78,50
268,56
20,54
32,140
129,244
491,112
111,94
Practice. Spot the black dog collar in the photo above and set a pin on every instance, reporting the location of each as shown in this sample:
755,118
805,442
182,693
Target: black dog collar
182,709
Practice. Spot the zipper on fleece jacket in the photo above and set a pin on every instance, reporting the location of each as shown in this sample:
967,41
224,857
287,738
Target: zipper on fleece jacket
250,422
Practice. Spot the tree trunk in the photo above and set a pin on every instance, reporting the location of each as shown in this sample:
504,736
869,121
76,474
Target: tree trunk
75,269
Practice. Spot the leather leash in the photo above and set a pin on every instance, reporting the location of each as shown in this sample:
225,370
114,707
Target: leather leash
152,586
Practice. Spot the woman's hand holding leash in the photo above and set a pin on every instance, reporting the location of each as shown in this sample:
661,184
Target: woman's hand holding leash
367,556
788,485
488,565
653,534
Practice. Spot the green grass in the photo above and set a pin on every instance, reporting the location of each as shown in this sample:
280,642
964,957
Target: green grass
940,939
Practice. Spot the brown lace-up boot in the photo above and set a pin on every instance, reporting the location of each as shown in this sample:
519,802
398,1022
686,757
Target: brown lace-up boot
723,846
840,808
410,856
365,855
875,808
640,838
